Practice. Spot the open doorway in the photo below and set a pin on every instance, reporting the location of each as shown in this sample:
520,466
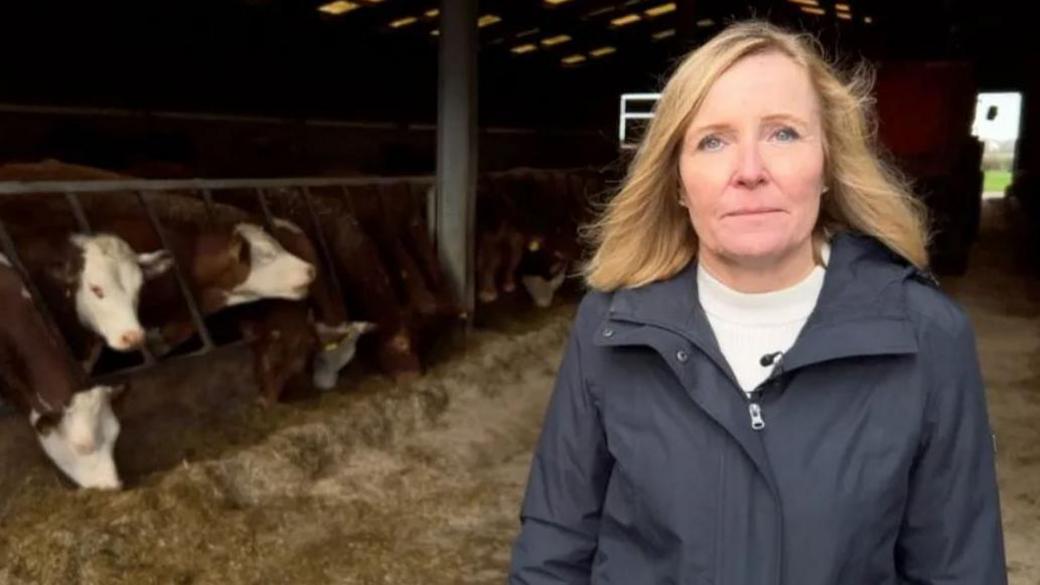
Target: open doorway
996,126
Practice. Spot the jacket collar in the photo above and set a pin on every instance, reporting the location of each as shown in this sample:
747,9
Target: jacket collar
861,309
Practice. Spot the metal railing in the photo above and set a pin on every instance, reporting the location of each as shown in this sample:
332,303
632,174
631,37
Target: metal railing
145,191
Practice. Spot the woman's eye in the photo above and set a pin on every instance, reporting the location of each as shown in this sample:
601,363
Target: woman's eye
710,143
787,134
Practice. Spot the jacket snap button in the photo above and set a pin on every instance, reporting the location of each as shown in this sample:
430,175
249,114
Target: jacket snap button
682,356
608,333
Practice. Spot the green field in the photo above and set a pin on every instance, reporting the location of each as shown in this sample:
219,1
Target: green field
996,181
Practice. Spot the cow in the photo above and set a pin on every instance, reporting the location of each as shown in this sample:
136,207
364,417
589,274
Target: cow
336,336
91,283
99,275
224,266
390,214
368,287
227,258
74,424
554,247
528,223
500,244
369,301
286,338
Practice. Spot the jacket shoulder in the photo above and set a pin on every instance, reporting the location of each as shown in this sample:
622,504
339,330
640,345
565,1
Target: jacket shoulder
934,312
592,310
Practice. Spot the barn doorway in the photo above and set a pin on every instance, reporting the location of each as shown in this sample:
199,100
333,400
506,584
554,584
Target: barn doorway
996,125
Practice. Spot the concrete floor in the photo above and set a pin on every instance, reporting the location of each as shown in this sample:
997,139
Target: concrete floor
1002,295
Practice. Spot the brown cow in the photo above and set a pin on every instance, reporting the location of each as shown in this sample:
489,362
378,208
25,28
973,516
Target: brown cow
91,283
391,216
285,337
227,259
75,425
223,266
500,243
368,294
528,229
337,336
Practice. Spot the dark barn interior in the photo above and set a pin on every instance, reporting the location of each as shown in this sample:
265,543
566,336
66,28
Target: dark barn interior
394,480
281,88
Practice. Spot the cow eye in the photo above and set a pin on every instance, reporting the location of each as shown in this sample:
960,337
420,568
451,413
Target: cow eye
98,291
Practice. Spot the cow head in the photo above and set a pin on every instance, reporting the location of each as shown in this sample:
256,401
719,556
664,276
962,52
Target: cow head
105,279
273,273
338,346
397,355
80,440
543,269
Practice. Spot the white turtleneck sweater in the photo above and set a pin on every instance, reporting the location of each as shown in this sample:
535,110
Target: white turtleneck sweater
751,325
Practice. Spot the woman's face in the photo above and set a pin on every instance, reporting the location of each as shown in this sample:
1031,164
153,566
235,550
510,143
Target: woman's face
751,164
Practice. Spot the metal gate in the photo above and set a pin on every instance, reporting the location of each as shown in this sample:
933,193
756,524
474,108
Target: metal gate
146,190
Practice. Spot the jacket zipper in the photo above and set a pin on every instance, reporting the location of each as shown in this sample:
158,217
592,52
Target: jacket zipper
758,421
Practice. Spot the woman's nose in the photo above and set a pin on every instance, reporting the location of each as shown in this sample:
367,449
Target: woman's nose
751,171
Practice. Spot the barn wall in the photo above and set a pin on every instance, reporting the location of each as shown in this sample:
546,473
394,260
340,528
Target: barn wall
262,149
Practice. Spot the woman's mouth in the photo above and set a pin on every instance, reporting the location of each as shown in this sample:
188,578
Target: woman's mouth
753,211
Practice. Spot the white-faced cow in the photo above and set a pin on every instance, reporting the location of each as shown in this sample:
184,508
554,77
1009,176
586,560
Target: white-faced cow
75,425
321,329
227,259
224,265
92,284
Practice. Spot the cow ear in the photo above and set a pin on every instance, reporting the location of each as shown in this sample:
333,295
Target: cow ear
154,264
62,272
47,422
363,327
117,391
239,249
558,279
248,329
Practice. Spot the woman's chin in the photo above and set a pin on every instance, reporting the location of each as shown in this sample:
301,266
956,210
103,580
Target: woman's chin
762,248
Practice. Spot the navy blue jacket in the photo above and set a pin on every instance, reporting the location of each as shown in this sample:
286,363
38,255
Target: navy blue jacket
872,461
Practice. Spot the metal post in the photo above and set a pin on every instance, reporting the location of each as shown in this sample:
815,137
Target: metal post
348,204
207,198
457,145
265,209
430,197
182,280
323,244
78,213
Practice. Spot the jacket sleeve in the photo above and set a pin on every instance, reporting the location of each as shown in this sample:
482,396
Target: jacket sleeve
561,510
951,529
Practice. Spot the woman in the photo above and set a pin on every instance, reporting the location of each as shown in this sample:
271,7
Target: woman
764,385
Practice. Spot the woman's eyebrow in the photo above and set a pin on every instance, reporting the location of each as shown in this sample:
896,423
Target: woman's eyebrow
785,117
723,127
705,128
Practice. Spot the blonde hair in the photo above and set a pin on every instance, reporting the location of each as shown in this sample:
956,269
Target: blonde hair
643,235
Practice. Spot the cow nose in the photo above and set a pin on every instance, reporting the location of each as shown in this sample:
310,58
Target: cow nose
84,447
132,339
312,273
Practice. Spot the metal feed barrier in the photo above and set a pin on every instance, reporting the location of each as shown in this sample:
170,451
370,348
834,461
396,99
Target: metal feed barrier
145,191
